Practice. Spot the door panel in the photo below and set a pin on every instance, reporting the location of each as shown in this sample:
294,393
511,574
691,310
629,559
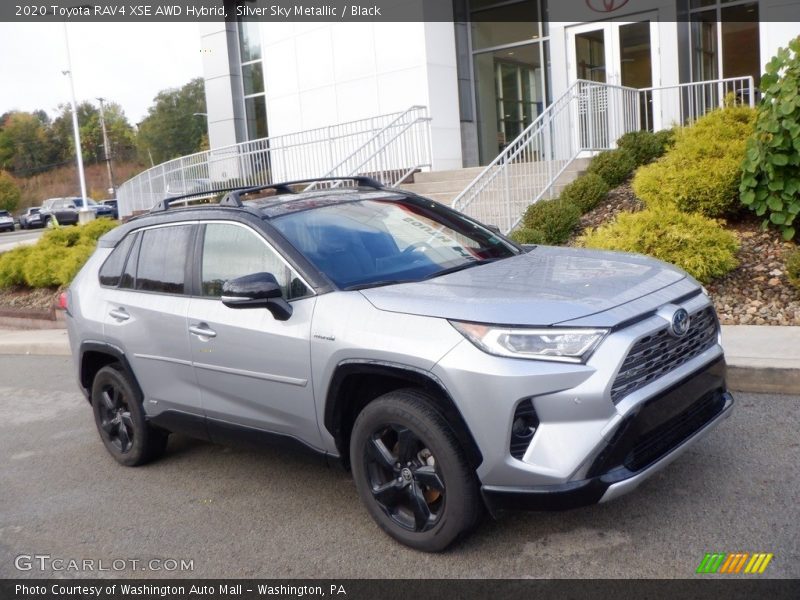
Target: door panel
252,369
255,370
146,316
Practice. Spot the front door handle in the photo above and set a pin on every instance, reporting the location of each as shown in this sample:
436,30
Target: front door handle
202,330
120,314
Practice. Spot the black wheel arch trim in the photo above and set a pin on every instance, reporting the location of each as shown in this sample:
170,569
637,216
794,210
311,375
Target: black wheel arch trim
92,346
335,405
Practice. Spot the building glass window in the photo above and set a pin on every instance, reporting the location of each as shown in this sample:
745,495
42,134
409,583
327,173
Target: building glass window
510,64
252,71
724,39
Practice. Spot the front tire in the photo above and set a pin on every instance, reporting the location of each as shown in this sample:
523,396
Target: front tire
121,422
411,473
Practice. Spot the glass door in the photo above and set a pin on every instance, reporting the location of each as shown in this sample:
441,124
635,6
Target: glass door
617,53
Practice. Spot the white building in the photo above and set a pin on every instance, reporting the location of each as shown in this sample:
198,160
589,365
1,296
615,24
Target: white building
483,80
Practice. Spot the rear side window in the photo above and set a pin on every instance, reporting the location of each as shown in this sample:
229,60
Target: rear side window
162,259
111,271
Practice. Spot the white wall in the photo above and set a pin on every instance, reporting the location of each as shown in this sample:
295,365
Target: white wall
780,22
222,105
321,74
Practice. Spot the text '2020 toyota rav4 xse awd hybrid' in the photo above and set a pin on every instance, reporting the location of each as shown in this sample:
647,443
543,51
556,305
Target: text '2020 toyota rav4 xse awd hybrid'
447,367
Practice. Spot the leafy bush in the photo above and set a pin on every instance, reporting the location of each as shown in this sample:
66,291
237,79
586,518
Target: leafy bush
586,192
553,219
701,172
55,259
646,146
793,268
9,192
526,235
770,183
614,166
691,241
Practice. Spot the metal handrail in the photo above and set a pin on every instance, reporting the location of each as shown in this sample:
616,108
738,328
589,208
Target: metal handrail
374,142
588,117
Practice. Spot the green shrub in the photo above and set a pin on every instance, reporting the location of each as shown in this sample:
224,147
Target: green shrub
526,235
793,268
770,183
645,146
55,259
554,219
614,166
586,192
11,265
693,242
701,172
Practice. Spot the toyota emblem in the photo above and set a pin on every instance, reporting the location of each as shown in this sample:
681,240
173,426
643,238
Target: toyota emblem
605,6
679,324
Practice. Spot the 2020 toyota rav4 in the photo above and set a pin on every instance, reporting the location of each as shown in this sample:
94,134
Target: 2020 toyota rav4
449,368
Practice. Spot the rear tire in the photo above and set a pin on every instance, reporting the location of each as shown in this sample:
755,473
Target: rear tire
411,473
120,419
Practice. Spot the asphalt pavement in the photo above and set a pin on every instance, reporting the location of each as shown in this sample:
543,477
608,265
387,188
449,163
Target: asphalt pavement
243,513
11,239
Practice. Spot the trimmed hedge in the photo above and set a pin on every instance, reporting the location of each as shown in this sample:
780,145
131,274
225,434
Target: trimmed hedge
586,192
548,222
695,243
55,259
614,166
701,172
646,146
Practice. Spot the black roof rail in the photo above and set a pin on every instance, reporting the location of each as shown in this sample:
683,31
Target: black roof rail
233,197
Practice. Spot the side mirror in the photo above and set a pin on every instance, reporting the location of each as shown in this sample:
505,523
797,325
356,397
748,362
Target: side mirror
259,290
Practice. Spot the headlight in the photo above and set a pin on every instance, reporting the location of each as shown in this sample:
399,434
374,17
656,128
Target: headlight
559,344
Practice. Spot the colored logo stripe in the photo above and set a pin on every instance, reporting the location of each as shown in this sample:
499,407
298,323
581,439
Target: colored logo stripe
721,562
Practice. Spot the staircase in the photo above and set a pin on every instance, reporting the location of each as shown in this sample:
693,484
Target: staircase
444,186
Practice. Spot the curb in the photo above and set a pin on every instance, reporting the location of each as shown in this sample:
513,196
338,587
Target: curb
763,380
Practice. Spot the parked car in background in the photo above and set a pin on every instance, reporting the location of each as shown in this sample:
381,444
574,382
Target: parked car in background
100,210
59,211
6,221
448,368
113,204
31,218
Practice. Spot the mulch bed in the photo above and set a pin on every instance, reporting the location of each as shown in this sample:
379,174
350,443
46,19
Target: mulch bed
757,292
25,300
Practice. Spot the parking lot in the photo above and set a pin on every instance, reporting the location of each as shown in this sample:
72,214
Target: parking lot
242,513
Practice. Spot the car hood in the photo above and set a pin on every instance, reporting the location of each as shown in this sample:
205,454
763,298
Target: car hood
545,286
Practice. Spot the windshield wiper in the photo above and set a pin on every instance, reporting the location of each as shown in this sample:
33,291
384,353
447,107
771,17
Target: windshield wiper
460,267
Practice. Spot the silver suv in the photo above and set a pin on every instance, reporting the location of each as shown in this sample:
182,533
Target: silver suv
447,367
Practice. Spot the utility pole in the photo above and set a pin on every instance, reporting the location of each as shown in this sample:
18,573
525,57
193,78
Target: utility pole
85,214
106,150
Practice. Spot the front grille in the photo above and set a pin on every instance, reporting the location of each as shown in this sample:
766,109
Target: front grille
656,443
657,354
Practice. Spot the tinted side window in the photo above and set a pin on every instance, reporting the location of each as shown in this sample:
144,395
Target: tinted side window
162,259
111,271
129,273
231,251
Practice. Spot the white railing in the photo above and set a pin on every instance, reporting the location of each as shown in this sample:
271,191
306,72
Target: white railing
387,147
589,117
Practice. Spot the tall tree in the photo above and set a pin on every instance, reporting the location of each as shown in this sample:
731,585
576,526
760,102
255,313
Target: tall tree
9,192
25,144
171,128
120,133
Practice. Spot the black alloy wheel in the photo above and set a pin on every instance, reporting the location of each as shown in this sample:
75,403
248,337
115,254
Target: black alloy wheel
120,419
411,473
403,478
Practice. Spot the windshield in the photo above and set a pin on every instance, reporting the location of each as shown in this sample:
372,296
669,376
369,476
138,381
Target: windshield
377,242
4,213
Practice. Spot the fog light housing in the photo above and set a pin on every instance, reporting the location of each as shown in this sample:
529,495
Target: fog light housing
523,427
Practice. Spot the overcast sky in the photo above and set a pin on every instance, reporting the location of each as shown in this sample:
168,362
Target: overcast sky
128,63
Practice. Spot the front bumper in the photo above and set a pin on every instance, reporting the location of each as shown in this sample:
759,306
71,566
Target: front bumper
646,441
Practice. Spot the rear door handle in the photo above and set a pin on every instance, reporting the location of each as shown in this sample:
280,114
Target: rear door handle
202,330
120,314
